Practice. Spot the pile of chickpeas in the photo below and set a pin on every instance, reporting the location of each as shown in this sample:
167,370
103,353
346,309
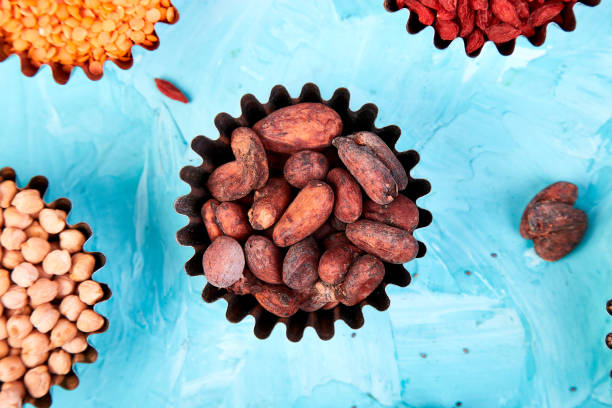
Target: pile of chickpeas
46,295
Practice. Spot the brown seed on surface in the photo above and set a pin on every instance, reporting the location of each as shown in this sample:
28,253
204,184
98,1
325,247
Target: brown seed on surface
35,250
335,263
300,265
83,266
38,381
11,369
71,307
348,199
304,166
248,284
278,300
210,219
269,203
249,150
72,240
223,262
384,154
233,221
89,321
401,213
52,221
231,181
264,259
44,317
390,244
299,127
28,202
369,171
60,362
317,297
309,210
90,292
362,278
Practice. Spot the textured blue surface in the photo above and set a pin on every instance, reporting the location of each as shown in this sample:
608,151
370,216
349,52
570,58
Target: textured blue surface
516,332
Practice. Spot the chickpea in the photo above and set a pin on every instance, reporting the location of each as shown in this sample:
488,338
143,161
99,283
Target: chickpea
35,349
13,218
12,238
38,381
3,331
26,310
4,348
28,201
65,286
76,345
8,189
89,321
24,274
35,250
90,292
60,362
14,342
15,297
42,291
1,218
37,231
15,386
63,331
72,240
53,221
82,266
5,281
71,307
44,317
10,399
10,259
18,326
42,273
57,262
11,369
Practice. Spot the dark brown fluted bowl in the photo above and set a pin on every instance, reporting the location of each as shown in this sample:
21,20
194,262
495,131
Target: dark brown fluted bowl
69,381
567,22
217,152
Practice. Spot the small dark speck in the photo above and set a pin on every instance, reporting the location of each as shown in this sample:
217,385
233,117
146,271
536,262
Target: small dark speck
468,273
465,350
423,355
572,389
494,255
353,406
415,275
458,404
353,335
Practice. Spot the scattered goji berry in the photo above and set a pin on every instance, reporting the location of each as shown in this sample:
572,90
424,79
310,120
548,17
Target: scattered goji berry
171,91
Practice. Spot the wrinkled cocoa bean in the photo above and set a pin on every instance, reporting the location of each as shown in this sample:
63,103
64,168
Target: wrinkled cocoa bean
300,264
348,199
210,219
299,127
362,278
233,221
390,244
560,192
334,264
249,150
278,300
320,295
248,284
305,166
308,211
371,173
269,203
231,181
401,213
264,259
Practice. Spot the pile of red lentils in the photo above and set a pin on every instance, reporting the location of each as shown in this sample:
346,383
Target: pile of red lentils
80,32
46,295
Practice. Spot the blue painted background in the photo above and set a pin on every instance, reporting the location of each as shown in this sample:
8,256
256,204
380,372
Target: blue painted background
515,332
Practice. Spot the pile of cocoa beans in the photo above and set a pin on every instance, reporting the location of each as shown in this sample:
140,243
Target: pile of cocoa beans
477,21
305,218
46,295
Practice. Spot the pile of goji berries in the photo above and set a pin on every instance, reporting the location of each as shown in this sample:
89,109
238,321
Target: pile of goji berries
477,21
